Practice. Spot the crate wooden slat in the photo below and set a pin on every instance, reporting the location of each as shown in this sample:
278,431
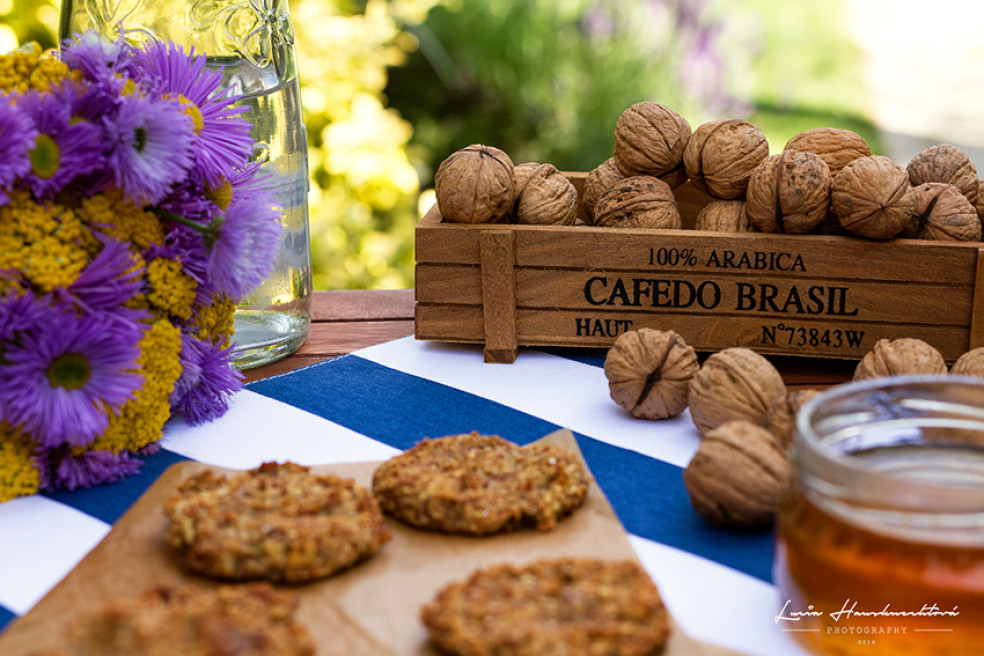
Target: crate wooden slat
808,295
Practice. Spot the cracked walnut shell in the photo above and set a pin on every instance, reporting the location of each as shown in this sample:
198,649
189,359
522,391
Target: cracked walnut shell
475,185
721,155
872,197
734,383
789,192
723,216
945,163
544,196
899,357
650,139
739,476
942,213
649,372
639,201
835,146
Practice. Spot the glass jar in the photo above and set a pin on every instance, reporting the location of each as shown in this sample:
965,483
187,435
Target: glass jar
880,546
252,40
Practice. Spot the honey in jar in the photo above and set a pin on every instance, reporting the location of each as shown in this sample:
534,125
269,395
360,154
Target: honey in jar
880,546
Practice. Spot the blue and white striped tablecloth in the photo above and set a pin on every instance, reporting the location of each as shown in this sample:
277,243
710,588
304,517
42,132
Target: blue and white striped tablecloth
369,405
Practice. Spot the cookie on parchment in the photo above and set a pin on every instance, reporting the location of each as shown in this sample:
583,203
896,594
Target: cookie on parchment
183,620
481,484
278,522
550,608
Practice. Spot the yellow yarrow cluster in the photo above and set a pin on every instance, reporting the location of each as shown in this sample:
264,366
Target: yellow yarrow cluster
18,475
111,214
29,68
171,290
141,419
46,243
215,322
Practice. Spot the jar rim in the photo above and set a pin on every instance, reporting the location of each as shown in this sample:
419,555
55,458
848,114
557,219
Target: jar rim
836,474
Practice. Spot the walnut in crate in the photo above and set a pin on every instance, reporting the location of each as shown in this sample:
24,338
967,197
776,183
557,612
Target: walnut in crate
650,139
789,192
780,419
739,476
649,372
945,163
639,201
979,205
837,147
721,155
734,383
942,213
970,363
599,180
723,216
899,357
872,197
544,196
475,185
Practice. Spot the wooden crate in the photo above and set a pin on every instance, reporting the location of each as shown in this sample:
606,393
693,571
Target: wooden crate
507,286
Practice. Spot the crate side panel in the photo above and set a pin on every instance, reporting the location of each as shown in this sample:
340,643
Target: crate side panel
449,284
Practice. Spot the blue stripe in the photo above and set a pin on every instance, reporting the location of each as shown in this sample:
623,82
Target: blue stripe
6,616
400,409
108,502
592,356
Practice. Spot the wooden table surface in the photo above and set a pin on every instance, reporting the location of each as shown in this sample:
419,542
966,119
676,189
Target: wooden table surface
346,320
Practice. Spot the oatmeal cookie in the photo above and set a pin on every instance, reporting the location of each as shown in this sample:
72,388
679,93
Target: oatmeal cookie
480,484
550,607
278,522
183,620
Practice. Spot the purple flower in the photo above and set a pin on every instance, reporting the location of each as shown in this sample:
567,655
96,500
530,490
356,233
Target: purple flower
224,140
111,279
18,313
207,381
67,373
17,135
152,143
99,60
86,469
63,148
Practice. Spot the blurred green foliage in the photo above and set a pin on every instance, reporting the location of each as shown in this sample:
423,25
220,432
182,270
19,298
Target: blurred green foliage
391,87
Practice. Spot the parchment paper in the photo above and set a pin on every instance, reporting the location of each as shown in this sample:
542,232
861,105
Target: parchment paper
370,610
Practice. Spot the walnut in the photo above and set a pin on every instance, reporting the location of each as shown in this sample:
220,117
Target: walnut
721,154
780,419
942,213
945,163
789,192
639,201
544,196
835,146
734,383
979,205
872,197
649,140
723,216
649,372
970,363
598,181
739,476
475,185
899,357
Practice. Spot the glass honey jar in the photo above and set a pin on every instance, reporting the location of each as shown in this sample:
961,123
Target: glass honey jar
880,545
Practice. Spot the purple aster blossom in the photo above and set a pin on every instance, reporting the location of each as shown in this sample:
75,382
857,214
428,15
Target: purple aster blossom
111,279
87,469
19,312
67,373
17,135
63,148
98,59
152,143
207,381
224,140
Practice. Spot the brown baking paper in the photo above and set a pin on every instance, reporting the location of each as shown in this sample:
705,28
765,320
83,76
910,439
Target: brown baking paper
372,609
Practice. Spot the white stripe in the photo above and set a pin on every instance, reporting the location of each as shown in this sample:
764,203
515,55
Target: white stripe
42,540
717,604
258,429
559,390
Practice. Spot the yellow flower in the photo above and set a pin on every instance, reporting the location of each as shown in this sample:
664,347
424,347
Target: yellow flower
51,263
113,215
141,420
29,68
215,321
171,290
18,475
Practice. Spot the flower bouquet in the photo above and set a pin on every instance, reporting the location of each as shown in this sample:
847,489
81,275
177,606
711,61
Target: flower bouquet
132,221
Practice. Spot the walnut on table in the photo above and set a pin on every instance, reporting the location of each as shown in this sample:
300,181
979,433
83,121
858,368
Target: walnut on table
734,383
899,357
649,372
